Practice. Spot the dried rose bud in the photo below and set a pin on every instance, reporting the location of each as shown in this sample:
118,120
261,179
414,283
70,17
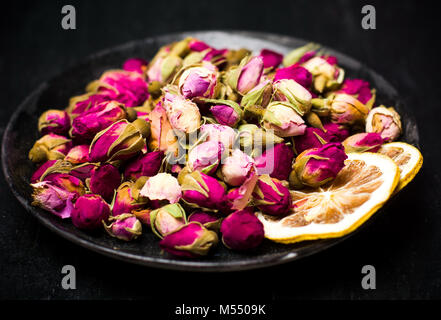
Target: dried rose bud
315,137
128,88
183,114
297,54
246,76
82,103
205,157
41,170
54,121
89,212
124,227
326,75
226,115
135,65
357,88
219,133
385,121
345,109
260,95
275,161
120,141
199,81
146,165
66,182
191,240
283,119
127,199
104,180
242,230
251,135
78,154
167,219
143,215
211,221
162,186
203,191
97,118
271,196
239,198
362,142
163,66
53,199
292,92
50,147
162,135
271,59
296,73
236,168
315,167
198,45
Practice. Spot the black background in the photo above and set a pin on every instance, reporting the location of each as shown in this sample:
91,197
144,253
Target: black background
404,244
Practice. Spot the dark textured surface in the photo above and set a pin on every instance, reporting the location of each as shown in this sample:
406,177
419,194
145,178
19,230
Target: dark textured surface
403,244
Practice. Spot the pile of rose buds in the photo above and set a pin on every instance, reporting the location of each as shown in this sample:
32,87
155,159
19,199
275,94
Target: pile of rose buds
262,125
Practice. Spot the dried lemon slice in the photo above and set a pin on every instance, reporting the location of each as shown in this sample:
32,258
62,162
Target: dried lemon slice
338,208
408,159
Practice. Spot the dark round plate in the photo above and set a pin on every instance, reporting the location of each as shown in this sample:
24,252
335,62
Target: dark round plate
21,133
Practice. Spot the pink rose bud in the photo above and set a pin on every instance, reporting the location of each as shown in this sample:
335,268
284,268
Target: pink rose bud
197,45
271,196
167,219
162,136
236,168
293,93
315,137
275,161
315,167
124,227
227,114
346,109
53,199
128,88
89,212
80,104
296,73
335,132
362,142
357,88
216,132
300,55
162,186
242,230
78,154
385,121
260,95
41,170
104,180
205,157
163,66
202,191
143,215
146,165
54,121
191,241
127,199
97,118
50,147
183,114
239,198
66,182
250,75
211,221
120,141
271,59
326,76
283,119
135,65
199,82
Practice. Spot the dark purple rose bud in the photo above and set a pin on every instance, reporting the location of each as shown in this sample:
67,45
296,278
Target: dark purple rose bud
271,59
363,142
124,227
203,191
54,121
271,196
97,118
104,180
89,212
211,221
146,165
191,241
135,65
242,230
296,73
275,161
315,167
78,154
